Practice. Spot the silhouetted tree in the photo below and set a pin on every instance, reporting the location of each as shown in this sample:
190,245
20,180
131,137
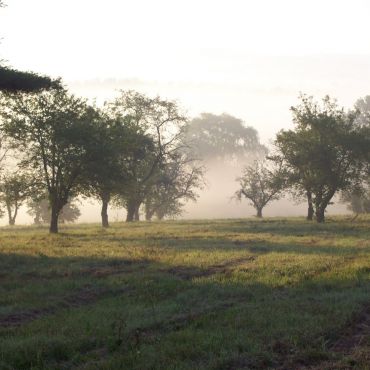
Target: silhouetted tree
362,107
325,151
358,198
14,190
157,129
177,182
261,185
54,132
12,80
123,150
39,208
222,137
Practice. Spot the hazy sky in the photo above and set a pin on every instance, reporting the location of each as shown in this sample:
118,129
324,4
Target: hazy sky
247,58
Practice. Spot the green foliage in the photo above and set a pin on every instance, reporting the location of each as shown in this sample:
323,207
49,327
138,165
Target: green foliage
13,81
324,153
106,175
156,127
362,107
54,131
39,209
358,198
14,190
176,183
261,185
222,137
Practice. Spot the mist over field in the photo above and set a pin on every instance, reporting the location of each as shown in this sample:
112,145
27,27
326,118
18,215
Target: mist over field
253,68
216,200
184,184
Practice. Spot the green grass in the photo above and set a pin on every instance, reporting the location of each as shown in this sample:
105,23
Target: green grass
226,294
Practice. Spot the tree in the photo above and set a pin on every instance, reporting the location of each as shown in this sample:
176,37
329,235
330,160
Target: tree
176,183
362,107
12,80
106,175
324,153
156,127
140,168
261,185
14,190
358,198
54,132
222,137
3,150
299,186
39,208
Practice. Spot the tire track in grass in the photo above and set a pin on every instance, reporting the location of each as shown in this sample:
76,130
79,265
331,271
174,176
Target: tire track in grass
134,338
98,271
350,350
356,333
86,296
150,334
188,273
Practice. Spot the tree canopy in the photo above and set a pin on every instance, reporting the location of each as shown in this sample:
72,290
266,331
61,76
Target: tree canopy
325,151
261,184
39,208
12,80
157,132
55,132
15,188
222,137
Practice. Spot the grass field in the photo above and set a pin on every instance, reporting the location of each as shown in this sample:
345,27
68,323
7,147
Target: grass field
227,294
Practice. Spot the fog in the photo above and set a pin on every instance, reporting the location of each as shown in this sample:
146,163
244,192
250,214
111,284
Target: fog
250,59
215,201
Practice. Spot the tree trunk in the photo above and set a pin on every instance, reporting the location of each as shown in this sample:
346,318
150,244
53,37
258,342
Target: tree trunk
130,212
148,215
104,210
259,213
160,214
54,220
37,220
10,216
321,204
15,213
320,214
310,211
137,214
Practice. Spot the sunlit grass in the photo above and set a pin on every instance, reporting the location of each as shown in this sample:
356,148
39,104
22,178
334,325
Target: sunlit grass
223,294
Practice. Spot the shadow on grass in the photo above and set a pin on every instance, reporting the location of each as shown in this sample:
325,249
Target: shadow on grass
296,228
273,322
